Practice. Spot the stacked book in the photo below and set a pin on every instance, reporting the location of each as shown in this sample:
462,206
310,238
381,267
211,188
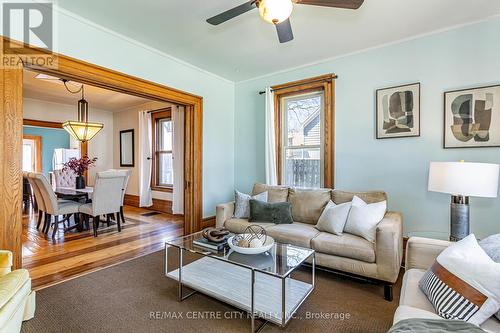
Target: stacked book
205,243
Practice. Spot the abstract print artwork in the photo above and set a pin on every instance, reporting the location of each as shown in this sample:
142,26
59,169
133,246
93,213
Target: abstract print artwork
472,118
398,111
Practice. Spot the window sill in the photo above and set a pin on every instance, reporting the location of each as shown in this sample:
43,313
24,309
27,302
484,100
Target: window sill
169,189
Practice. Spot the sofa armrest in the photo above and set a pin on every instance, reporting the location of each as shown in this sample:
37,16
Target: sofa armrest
5,262
223,213
422,252
389,247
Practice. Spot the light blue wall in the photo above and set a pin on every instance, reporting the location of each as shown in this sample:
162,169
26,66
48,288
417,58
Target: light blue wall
466,57
52,138
86,41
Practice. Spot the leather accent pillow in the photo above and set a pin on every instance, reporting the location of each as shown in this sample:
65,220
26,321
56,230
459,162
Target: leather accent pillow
334,218
463,283
242,206
276,212
275,193
307,205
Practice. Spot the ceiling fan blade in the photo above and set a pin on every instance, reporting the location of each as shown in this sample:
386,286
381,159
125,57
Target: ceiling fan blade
348,4
232,13
284,29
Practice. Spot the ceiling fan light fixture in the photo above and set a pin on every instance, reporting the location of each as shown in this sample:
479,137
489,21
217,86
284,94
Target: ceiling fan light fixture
275,11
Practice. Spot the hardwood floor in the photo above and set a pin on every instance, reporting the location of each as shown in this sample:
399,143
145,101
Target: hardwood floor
75,253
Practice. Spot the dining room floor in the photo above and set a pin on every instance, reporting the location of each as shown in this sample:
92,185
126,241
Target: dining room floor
72,253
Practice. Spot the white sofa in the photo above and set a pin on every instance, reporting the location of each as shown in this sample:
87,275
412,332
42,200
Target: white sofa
420,255
17,301
379,261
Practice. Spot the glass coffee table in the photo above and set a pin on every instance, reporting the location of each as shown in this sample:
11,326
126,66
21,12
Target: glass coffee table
261,284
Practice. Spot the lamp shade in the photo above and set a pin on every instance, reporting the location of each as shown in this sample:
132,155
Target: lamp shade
463,178
82,131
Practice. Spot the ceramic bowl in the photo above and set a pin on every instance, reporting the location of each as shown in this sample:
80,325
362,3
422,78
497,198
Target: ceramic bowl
251,250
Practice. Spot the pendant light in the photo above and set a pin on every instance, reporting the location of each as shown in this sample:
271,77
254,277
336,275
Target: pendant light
82,130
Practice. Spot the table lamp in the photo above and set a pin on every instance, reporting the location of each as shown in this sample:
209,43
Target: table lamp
463,180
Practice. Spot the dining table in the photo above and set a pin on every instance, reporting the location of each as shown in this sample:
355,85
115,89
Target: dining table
71,193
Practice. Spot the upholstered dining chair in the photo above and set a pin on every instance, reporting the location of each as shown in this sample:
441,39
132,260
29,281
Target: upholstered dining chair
128,173
53,206
106,199
38,198
65,178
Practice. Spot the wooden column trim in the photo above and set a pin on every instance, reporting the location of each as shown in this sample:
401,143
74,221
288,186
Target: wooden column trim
11,129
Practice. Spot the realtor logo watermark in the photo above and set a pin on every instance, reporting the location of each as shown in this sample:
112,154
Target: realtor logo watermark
28,24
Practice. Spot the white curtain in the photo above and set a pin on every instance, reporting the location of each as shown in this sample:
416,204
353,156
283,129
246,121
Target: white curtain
178,155
271,173
145,161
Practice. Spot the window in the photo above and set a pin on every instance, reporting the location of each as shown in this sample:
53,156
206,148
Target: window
163,173
28,155
304,132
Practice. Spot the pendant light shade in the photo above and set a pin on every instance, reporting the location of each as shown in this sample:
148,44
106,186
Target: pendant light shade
82,130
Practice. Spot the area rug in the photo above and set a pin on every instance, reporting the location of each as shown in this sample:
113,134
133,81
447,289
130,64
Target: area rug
135,296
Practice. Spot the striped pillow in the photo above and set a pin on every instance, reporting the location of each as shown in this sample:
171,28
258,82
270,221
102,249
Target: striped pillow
462,284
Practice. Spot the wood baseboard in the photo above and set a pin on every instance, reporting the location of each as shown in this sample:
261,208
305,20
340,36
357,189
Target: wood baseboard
208,222
159,205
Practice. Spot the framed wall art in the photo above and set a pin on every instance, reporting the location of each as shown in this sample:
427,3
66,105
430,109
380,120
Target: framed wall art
398,111
472,117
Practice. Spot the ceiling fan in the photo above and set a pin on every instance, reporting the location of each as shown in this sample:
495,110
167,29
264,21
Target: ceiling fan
278,12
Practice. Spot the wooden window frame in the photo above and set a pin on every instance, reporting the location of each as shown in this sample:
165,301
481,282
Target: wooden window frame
326,84
165,113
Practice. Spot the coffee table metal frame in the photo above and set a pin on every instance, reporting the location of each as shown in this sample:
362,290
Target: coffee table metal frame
253,314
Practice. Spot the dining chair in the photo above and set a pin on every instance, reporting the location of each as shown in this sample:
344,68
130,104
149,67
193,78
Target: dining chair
128,173
54,206
28,196
65,178
106,198
38,198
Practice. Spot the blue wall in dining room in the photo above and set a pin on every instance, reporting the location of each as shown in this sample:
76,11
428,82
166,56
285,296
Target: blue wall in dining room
52,138
468,56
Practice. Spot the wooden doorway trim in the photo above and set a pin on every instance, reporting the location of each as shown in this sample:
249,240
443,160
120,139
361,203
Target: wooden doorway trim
11,120
37,139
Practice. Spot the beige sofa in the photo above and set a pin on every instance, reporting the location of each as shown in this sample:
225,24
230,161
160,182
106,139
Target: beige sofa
379,261
420,255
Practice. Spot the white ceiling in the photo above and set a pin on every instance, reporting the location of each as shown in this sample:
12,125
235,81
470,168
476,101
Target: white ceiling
247,47
53,91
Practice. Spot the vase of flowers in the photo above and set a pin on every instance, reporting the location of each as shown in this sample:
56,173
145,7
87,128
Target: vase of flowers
79,166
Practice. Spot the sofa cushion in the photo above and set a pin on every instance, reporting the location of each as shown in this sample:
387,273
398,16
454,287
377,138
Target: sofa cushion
348,246
369,197
364,218
411,294
467,283
242,203
307,205
275,193
276,212
238,226
334,218
297,233
11,283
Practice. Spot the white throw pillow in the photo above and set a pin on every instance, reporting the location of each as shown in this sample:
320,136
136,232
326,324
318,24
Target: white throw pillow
463,284
364,218
333,218
242,203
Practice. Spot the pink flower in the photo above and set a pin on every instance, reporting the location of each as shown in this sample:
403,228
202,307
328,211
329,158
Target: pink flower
79,165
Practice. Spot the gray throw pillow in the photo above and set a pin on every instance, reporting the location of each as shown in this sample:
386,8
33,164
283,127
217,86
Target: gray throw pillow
491,245
241,203
277,212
